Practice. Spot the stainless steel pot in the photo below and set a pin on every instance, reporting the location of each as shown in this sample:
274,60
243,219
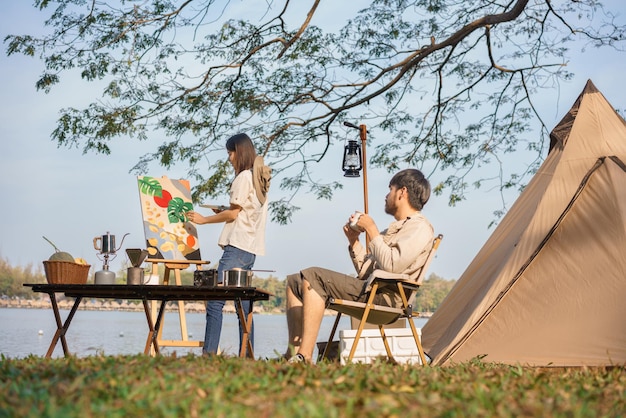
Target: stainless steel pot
238,278
205,278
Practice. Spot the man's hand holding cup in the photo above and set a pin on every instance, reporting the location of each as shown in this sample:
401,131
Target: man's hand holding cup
354,221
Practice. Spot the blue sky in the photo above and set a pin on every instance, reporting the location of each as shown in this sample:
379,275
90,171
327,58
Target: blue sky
71,198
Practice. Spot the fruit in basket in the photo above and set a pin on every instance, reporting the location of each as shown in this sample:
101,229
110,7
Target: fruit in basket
58,254
80,261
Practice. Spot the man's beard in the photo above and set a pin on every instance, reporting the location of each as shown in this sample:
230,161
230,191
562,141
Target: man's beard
390,209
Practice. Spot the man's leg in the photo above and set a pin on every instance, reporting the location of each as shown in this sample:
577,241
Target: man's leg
294,321
313,313
307,293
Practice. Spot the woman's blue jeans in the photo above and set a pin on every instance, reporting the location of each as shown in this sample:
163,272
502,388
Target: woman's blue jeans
232,258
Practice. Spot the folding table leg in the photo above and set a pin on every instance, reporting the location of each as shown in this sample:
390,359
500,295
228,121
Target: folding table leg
61,328
57,334
157,326
150,342
246,325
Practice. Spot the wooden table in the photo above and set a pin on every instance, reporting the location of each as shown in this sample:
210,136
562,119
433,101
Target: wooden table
162,293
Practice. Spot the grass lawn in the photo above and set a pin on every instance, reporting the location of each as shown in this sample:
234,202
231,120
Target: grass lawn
194,386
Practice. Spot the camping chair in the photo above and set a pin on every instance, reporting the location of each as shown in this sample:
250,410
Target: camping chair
368,312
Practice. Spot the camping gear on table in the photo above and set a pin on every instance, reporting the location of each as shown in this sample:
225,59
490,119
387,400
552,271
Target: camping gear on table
105,244
66,272
136,256
205,278
135,276
62,268
238,278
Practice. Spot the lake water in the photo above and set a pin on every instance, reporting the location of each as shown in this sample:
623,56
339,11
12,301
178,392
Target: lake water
29,331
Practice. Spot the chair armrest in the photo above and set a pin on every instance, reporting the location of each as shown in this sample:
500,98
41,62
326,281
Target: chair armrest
389,276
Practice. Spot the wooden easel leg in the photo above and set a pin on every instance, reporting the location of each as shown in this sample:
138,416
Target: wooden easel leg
184,335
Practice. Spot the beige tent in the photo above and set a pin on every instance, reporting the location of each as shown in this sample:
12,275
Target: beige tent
548,288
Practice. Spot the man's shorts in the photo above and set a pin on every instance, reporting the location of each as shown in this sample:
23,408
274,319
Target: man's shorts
331,284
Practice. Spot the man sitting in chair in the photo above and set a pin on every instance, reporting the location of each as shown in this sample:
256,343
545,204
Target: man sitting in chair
402,248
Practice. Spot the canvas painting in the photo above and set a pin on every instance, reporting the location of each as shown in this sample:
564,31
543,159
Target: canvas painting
164,205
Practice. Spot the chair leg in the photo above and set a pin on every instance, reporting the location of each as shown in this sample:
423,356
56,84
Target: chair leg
386,343
418,342
368,307
332,335
408,310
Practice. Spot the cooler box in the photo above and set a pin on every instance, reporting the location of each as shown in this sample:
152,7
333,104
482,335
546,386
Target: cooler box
371,345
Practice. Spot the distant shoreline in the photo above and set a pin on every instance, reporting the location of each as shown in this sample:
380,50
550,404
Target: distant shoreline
136,306
114,305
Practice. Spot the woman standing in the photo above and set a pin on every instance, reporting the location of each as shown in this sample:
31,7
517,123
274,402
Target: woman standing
243,236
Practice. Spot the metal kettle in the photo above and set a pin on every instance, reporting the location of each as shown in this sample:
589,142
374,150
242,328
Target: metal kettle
106,243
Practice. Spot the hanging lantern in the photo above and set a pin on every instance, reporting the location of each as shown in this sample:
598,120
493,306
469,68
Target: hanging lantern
352,159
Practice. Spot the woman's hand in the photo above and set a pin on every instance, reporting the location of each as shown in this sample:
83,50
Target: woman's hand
223,215
195,217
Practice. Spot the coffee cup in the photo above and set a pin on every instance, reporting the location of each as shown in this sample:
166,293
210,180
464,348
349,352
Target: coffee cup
134,276
355,219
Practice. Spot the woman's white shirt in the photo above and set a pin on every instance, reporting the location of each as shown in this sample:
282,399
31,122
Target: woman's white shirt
247,231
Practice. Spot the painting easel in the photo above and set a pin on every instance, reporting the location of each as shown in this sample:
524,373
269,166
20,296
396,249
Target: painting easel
170,239
176,266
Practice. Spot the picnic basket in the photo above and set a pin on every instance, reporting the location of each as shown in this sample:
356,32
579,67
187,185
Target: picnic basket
65,272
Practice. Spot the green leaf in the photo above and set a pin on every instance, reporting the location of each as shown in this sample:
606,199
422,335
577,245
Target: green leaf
150,186
176,210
